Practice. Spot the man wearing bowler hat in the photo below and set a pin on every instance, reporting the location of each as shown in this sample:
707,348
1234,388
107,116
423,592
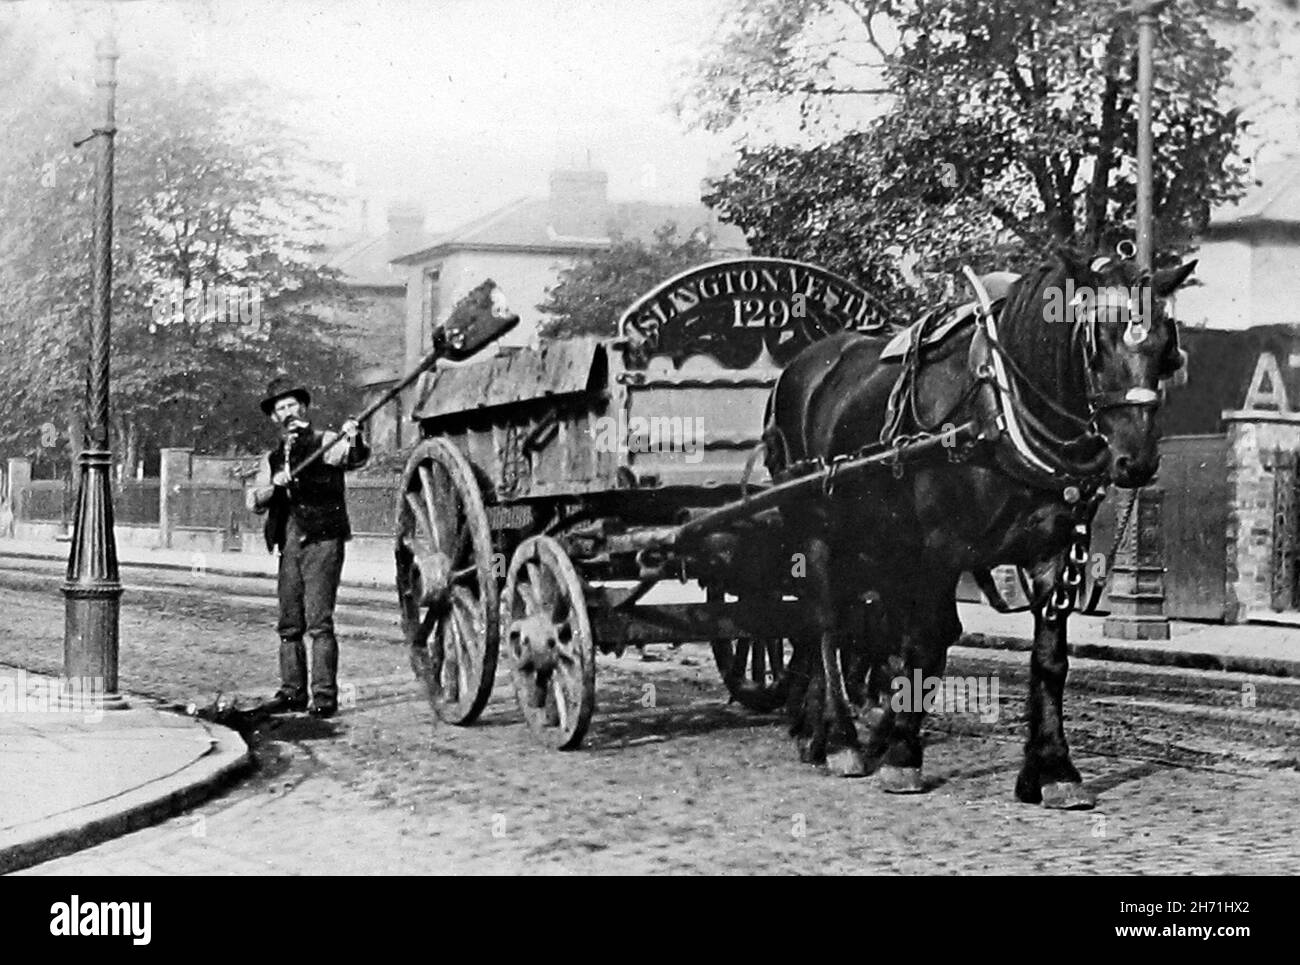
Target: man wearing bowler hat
307,521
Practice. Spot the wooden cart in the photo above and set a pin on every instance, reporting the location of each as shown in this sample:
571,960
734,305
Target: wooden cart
551,490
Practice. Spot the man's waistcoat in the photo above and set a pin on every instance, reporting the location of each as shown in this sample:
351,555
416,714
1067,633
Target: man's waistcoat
316,500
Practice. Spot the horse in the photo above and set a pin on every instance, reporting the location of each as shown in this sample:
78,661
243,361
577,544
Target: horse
1058,394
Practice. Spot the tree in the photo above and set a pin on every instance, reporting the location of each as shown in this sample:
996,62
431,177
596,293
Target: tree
592,294
992,132
214,273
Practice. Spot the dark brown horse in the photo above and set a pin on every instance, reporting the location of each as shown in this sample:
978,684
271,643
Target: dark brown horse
1061,389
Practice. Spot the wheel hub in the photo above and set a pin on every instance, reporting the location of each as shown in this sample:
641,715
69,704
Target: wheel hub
538,643
433,572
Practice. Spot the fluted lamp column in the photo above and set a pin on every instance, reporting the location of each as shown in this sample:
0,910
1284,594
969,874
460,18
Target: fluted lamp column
93,589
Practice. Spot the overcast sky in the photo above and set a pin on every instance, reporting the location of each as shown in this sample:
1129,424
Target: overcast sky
462,104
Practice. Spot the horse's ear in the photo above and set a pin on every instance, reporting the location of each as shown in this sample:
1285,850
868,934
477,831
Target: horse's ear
1168,280
1076,266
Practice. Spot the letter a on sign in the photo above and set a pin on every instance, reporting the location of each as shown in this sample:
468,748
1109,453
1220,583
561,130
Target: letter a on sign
1267,390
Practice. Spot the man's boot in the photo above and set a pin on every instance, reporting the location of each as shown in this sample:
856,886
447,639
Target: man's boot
292,695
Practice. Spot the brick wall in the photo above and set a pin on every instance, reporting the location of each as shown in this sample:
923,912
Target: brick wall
1252,440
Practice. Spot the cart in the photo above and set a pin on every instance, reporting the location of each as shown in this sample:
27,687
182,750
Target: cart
553,488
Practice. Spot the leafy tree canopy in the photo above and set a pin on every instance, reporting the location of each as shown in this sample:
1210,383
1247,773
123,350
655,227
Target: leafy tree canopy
948,132
591,295
216,204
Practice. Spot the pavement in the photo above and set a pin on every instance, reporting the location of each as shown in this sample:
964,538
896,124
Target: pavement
74,772
369,569
76,769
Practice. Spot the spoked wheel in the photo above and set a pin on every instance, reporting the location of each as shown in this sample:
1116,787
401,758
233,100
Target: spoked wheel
549,643
445,584
755,670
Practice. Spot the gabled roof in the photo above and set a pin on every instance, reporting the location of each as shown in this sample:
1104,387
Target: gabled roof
365,261
529,224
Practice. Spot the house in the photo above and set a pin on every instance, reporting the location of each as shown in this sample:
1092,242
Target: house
1240,319
373,311
1249,271
524,246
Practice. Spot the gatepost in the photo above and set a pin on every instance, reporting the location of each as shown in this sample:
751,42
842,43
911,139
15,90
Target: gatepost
174,469
19,478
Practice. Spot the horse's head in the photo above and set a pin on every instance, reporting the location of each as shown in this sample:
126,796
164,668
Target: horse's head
1128,344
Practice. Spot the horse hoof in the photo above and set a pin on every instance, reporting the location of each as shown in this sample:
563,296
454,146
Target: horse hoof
808,751
900,780
849,762
1068,796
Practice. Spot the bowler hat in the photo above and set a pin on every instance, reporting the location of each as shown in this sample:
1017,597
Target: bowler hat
280,387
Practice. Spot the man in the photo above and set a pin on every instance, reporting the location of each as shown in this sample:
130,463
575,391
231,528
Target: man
307,520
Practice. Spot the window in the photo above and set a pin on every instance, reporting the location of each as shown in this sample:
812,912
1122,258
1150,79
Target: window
429,301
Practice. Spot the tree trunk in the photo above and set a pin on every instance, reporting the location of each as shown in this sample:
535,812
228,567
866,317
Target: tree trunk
132,450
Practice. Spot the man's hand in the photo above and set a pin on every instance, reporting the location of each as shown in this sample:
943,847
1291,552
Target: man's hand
282,478
350,429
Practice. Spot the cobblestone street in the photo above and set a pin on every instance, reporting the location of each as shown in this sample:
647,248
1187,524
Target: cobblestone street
674,780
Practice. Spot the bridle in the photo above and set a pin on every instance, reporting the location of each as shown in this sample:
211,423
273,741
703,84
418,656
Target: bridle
1043,453
1087,324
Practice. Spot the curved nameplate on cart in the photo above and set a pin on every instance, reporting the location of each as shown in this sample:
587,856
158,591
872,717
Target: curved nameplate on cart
732,310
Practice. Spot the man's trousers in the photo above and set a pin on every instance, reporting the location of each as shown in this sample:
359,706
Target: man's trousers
308,587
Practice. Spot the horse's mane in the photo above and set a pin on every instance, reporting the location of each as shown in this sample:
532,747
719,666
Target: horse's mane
1045,351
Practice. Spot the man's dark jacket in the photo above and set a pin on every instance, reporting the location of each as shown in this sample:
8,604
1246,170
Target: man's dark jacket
317,499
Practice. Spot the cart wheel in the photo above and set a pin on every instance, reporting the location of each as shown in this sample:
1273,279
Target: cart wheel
549,642
755,670
445,584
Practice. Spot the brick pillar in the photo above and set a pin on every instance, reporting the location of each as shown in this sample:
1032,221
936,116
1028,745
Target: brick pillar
175,469
1137,580
19,476
1253,439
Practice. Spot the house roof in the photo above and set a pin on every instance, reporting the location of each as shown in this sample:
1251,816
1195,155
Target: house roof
529,223
365,261
1273,201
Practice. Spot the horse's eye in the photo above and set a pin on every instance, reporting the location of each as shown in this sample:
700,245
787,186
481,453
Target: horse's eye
1172,361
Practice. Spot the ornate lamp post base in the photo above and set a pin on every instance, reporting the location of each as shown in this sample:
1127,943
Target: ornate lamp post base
1137,589
93,589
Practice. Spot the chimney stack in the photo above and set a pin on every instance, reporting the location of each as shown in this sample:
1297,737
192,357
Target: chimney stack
405,228
580,203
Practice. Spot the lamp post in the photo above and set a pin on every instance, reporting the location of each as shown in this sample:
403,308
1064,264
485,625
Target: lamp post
93,588
1146,21
1137,595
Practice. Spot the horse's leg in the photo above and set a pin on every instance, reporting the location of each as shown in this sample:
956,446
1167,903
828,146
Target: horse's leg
826,711
884,663
861,656
930,626
1048,776
797,673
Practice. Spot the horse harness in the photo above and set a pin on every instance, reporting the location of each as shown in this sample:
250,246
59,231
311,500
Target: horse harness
1022,446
